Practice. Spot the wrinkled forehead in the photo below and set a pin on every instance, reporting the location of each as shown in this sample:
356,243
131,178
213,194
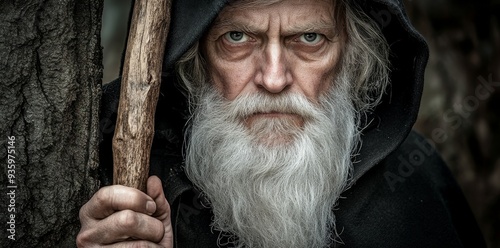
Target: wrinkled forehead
260,4
322,12
252,3
265,3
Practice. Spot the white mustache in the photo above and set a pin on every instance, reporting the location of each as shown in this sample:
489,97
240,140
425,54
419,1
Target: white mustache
290,103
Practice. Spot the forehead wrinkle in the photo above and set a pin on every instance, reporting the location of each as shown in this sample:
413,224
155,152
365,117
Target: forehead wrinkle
237,25
246,25
309,26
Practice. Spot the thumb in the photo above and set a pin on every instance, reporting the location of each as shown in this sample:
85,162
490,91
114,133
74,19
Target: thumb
162,213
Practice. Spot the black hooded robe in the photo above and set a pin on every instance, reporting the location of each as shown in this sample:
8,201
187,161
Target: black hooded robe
403,194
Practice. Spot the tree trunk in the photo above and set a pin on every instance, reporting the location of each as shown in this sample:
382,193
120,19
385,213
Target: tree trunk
50,74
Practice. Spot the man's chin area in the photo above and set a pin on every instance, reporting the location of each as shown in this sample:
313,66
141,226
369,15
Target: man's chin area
274,129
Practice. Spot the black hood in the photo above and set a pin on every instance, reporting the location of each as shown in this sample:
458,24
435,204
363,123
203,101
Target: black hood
393,118
396,115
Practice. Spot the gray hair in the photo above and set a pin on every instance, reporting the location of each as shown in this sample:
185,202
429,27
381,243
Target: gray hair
365,55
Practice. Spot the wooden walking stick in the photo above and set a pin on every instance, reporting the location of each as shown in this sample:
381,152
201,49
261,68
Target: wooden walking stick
140,87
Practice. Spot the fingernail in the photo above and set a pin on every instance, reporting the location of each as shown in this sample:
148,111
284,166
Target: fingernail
150,207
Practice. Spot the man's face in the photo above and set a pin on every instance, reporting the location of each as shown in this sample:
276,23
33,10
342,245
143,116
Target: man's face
288,47
271,139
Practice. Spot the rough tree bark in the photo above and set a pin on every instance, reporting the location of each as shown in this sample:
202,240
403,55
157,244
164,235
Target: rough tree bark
50,74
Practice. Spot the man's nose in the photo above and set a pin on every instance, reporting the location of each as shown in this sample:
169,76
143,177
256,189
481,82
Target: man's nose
275,75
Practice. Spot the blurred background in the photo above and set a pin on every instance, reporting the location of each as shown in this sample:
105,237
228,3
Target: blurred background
459,114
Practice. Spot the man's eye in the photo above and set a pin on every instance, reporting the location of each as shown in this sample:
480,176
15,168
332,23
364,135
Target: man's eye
236,37
311,38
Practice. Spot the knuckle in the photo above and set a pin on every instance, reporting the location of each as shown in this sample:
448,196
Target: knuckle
140,244
82,214
157,231
102,197
83,239
85,217
127,219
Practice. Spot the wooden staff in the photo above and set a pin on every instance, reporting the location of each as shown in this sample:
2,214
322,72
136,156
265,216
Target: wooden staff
140,87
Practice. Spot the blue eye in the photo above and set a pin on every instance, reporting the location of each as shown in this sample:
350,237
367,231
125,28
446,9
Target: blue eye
311,38
236,37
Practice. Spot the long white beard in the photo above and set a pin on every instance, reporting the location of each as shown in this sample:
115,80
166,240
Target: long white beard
274,184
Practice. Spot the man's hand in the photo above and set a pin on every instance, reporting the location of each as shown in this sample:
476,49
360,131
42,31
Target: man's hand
119,216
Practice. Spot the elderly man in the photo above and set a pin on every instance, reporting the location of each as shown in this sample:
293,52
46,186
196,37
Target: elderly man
288,125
